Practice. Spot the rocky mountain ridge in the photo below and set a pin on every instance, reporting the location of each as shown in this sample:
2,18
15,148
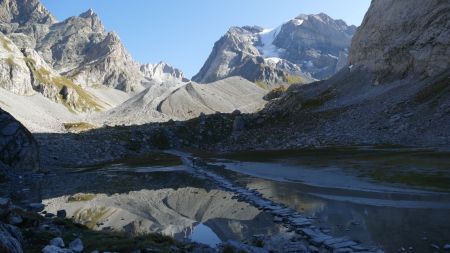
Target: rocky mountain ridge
301,50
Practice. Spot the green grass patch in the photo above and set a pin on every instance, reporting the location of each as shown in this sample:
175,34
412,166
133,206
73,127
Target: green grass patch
79,197
91,217
78,127
113,241
10,61
262,85
153,159
436,180
96,240
5,43
85,101
290,79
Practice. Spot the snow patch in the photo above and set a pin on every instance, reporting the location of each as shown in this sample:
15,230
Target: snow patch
274,60
298,22
319,18
333,56
268,49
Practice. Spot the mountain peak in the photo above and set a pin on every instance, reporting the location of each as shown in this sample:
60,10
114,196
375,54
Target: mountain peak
88,14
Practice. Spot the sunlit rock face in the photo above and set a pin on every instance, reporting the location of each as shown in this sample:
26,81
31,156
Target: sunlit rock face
400,38
80,48
162,73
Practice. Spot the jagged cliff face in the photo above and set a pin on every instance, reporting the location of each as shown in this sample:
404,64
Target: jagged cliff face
82,50
24,72
162,72
78,48
402,38
24,12
306,48
14,73
318,43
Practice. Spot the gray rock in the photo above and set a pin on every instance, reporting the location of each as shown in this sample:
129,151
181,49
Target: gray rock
10,129
18,148
238,124
10,239
236,113
161,72
61,213
397,39
435,246
58,242
24,12
55,249
36,207
5,204
14,72
76,245
15,219
80,48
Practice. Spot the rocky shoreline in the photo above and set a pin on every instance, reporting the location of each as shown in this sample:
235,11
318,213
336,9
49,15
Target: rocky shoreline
305,237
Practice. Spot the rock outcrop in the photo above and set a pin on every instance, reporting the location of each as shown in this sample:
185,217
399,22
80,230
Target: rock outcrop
23,14
398,39
14,73
10,239
18,149
306,48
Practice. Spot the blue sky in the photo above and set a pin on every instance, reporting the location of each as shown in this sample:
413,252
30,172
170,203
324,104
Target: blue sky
182,32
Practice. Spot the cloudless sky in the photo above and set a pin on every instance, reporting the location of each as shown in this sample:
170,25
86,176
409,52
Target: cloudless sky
182,32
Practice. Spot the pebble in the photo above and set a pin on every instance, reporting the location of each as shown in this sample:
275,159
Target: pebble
49,215
76,245
5,204
61,213
58,242
15,219
37,207
434,246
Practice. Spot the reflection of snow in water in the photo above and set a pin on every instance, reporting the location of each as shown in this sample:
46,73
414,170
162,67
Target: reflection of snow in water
204,234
